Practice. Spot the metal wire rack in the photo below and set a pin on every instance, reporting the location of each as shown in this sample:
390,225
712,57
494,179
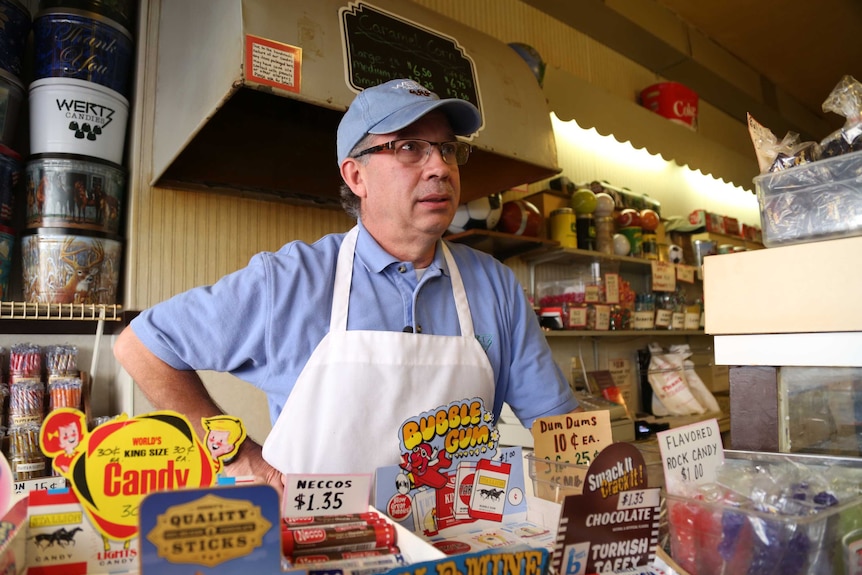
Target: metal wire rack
61,311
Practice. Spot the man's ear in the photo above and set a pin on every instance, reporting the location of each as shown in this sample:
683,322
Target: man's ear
353,176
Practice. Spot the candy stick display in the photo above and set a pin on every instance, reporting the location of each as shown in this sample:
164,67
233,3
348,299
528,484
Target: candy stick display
28,461
26,402
65,392
4,405
25,362
61,360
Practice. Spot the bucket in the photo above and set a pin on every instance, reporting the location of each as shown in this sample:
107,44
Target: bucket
11,97
71,116
84,45
13,34
10,178
66,266
76,192
120,11
7,243
674,101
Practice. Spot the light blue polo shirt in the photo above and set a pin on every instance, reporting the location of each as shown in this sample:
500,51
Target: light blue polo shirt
261,323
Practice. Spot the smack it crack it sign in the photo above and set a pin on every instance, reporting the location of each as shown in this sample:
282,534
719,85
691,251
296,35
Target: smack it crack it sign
114,466
613,525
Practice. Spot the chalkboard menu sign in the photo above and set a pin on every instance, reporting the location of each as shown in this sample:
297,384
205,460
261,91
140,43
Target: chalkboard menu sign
381,46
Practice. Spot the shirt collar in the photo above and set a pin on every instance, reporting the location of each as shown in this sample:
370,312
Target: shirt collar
376,259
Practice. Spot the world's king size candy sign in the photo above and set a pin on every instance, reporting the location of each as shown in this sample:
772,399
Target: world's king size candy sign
113,467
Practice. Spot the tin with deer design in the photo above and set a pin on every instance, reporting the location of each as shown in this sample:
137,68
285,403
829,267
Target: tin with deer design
75,192
70,266
72,116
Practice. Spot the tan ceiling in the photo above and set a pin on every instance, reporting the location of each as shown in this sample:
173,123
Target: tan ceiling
803,48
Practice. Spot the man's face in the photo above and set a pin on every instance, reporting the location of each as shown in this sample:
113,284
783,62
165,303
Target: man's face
410,201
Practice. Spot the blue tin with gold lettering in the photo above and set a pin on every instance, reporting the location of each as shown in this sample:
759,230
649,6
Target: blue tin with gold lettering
77,44
120,11
16,21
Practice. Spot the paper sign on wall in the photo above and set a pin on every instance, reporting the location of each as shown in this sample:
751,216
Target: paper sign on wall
663,276
690,455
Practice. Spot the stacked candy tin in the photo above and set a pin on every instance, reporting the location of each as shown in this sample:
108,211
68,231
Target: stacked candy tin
16,23
15,29
75,181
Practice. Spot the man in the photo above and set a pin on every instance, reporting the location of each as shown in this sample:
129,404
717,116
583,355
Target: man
359,332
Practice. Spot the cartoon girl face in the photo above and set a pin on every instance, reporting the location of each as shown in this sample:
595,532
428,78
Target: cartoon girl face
217,442
69,438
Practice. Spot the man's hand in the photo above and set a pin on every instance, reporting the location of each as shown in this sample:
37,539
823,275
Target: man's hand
250,462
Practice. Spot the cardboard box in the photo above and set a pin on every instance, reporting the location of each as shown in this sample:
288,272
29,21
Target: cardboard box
547,201
708,220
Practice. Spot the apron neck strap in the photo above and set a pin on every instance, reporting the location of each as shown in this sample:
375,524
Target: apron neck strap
344,278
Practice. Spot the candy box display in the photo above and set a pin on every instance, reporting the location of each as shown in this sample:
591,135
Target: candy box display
795,515
814,201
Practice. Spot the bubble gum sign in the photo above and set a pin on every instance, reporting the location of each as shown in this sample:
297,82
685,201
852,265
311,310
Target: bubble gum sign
463,426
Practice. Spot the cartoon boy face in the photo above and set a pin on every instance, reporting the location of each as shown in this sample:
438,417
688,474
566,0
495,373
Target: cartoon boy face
69,437
217,442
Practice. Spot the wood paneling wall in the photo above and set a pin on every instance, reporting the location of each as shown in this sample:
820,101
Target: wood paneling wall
177,239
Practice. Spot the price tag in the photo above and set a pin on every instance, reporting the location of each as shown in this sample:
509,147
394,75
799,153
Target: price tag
690,455
603,317
612,288
592,294
692,320
306,495
663,276
577,317
573,438
685,273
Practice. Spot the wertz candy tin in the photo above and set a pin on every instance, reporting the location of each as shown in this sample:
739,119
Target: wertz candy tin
71,191
83,45
71,116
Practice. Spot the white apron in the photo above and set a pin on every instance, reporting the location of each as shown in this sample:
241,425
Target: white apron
358,387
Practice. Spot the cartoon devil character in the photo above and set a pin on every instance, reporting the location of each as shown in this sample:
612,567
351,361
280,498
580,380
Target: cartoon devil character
424,464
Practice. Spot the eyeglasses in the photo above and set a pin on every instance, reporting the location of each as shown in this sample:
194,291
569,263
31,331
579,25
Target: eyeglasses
418,151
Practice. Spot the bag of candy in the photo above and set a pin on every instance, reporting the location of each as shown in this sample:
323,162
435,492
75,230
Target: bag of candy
844,100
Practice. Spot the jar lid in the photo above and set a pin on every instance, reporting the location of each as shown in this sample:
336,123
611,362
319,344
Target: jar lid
560,211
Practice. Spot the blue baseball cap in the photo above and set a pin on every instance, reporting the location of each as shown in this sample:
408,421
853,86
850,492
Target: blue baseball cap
395,105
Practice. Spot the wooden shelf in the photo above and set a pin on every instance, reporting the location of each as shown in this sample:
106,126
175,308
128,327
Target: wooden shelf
586,257
623,333
720,239
500,245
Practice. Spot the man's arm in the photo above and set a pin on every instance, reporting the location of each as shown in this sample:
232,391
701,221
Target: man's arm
185,393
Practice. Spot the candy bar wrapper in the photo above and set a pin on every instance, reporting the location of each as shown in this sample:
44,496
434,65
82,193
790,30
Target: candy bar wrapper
61,539
488,496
